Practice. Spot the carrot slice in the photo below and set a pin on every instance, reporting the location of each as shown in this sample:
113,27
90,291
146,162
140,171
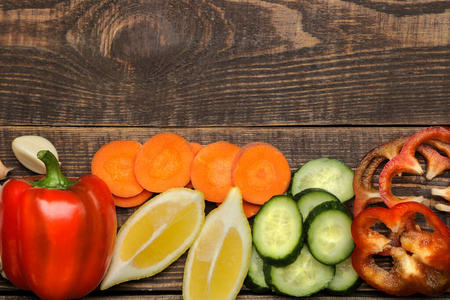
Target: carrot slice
211,170
195,147
164,162
250,209
132,201
261,171
114,163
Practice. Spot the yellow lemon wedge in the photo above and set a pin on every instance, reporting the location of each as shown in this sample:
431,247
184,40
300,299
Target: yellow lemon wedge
218,261
156,235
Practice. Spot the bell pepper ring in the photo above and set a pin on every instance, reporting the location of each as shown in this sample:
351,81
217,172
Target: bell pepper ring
365,191
421,259
444,163
406,161
436,163
56,234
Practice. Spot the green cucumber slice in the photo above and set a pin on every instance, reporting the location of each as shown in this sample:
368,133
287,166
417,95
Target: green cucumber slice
328,233
304,277
310,198
278,231
255,280
346,280
326,173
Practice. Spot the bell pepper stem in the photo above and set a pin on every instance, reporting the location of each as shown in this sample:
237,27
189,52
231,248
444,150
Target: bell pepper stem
54,178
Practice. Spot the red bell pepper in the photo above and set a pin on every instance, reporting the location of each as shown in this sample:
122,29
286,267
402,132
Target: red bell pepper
406,161
421,259
56,234
365,191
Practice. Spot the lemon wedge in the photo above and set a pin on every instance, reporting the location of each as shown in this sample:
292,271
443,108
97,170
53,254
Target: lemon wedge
218,261
156,235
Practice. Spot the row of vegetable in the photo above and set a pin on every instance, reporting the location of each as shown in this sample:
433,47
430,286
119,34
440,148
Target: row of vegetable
303,239
134,172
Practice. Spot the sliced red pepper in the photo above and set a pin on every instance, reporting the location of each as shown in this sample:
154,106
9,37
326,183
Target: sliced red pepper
445,147
365,191
406,161
421,259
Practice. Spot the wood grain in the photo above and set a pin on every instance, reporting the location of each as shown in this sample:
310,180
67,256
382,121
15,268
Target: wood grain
237,63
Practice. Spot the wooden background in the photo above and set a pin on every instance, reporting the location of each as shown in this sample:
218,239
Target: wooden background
313,77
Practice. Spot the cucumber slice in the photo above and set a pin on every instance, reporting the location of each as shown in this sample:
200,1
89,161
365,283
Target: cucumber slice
310,198
329,174
346,280
278,231
255,277
328,233
304,277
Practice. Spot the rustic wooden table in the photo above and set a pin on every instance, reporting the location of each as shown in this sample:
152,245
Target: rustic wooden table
331,78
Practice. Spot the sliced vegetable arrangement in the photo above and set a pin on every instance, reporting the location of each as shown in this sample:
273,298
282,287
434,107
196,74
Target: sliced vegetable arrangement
134,172
301,241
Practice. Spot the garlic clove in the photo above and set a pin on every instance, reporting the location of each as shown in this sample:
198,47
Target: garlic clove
3,171
25,149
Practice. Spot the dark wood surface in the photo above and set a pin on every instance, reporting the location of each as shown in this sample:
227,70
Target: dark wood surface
314,78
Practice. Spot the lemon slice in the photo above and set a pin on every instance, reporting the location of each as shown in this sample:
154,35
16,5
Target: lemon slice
218,261
156,235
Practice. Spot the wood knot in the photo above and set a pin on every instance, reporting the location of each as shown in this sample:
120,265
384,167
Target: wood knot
149,38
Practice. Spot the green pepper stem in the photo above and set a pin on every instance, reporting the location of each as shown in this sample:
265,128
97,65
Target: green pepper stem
54,179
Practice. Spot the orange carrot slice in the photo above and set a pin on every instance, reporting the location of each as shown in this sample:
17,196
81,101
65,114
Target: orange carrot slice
164,162
261,171
250,209
132,201
114,163
195,147
211,170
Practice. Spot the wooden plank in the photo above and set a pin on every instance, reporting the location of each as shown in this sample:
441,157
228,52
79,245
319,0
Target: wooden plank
76,147
237,63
